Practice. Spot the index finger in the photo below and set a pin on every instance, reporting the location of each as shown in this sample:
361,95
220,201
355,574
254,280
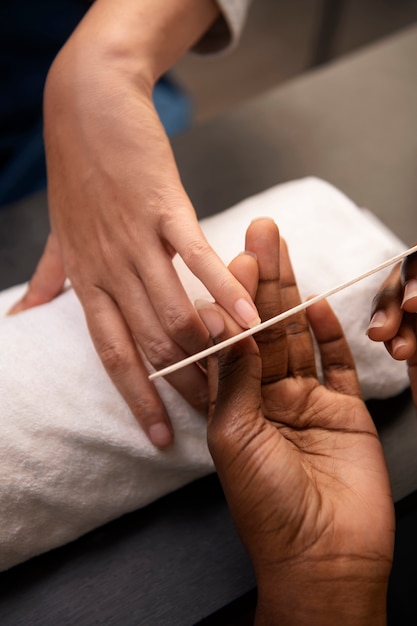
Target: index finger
189,241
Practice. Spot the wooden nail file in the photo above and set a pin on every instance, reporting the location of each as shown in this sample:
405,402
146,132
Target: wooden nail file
277,318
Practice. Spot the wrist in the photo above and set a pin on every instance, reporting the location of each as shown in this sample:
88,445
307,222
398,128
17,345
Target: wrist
144,37
349,593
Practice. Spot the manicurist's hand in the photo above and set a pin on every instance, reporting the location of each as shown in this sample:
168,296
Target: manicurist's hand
394,319
299,460
118,210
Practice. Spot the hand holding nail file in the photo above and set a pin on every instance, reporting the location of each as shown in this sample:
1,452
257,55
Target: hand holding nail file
278,318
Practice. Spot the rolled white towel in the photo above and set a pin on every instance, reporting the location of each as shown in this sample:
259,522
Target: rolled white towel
72,456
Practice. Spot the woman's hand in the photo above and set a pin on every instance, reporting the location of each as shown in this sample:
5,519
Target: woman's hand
300,461
394,319
118,210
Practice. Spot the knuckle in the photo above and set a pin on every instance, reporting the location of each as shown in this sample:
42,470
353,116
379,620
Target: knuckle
114,356
271,335
178,321
196,252
383,298
161,353
296,327
146,409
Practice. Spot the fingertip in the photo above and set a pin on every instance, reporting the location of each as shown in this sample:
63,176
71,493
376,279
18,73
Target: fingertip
25,302
319,310
263,220
16,308
160,435
247,313
409,302
248,253
401,349
375,330
283,245
261,229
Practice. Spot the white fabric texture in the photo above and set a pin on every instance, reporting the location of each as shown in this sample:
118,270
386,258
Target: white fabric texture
72,456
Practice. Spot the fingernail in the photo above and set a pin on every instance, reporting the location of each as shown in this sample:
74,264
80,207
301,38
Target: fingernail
410,290
262,217
249,253
160,435
211,318
396,344
378,320
16,308
247,313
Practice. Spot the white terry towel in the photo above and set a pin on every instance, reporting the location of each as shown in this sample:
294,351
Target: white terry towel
72,456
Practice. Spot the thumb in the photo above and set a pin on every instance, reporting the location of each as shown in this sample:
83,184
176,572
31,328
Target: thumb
47,281
235,375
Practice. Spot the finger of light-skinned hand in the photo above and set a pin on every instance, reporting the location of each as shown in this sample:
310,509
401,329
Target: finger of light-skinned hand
117,351
244,268
187,238
339,369
47,281
159,347
165,293
160,350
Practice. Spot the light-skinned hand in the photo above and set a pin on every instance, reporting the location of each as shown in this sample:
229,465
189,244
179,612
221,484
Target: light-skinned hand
118,210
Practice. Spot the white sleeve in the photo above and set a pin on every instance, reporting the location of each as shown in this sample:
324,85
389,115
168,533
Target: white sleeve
225,33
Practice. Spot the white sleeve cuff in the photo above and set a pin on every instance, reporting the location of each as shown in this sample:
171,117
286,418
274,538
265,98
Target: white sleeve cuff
225,33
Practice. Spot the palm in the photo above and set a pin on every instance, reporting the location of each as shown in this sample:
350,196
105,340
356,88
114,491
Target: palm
321,472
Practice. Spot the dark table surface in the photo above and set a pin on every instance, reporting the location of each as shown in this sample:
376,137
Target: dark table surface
179,560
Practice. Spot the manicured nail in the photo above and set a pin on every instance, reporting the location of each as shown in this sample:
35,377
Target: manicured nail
378,320
247,312
211,318
160,435
410,290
